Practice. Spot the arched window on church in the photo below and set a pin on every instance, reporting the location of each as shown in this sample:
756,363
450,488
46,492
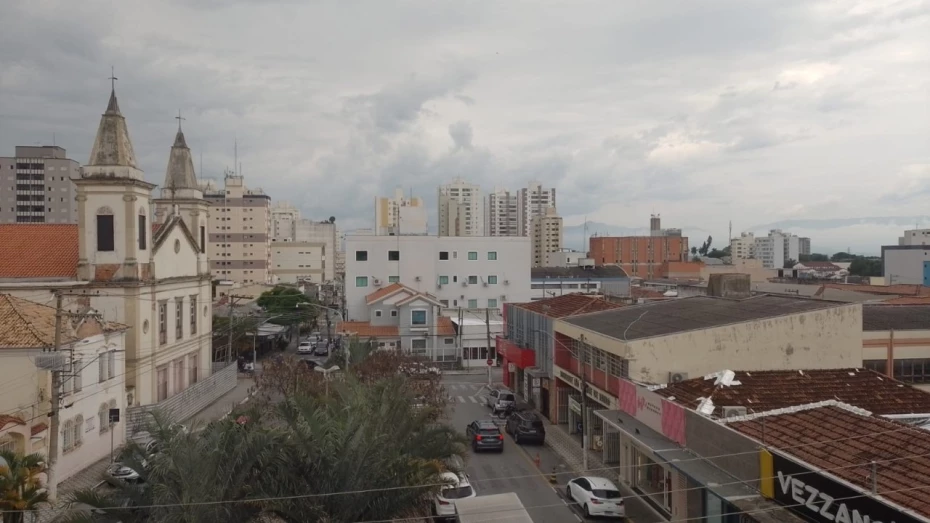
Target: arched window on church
105,231
143,229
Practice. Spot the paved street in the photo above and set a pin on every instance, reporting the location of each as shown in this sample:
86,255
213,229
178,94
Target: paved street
514,469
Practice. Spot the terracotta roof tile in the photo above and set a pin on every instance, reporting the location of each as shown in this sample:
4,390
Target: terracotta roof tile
26,325
761,391
6,420
444,326
568,305
39,250
365,329
381,293
38,429
845,442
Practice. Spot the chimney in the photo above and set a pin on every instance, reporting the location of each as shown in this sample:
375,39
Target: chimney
733,285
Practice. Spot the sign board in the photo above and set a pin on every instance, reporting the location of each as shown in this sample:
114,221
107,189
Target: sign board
595,393
654,411
114,415
490,362
818,498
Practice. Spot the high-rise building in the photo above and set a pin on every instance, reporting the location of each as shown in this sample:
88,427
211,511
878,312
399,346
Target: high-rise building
504,216
804,246
461,209
775,250
284,218
914,237
744,247
534,199
239,231
400,215
640,256
546,237
41,190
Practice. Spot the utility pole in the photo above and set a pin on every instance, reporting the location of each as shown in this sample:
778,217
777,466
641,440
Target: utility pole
232,304
56,402
492,357
584,406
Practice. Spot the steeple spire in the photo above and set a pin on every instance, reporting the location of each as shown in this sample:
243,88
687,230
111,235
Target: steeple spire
113,106
112,155
180,178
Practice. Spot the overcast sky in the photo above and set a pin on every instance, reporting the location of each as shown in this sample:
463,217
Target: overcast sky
710,111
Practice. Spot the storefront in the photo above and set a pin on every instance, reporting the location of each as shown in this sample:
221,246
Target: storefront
516,360
569,407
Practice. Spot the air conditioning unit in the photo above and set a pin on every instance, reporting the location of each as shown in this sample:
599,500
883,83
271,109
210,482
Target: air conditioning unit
732,412
485,284
675,377
54,360
506,282
376,282
417,278
503,297
464,284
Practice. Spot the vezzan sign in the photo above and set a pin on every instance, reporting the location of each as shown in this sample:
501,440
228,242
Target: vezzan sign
818,499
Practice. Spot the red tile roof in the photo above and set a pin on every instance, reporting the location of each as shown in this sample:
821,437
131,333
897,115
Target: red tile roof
39,250
381,293
365,329
639,292
28,325
844,442
761,391
6,420
38,429
444,326
568,305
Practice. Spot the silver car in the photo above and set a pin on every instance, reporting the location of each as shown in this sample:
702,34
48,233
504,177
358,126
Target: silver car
498,400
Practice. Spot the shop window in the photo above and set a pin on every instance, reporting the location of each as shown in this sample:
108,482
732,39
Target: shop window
876,365
653,480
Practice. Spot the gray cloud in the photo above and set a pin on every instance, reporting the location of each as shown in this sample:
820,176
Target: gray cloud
721,110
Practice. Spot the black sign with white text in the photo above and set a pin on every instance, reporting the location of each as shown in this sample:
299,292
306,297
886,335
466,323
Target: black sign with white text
821,500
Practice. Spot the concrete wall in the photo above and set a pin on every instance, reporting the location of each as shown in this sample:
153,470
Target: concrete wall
739,455
823,339
904,264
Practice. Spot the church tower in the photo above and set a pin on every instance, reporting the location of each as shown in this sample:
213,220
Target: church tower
114,205
181,195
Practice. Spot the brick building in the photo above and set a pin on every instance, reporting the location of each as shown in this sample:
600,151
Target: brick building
639,256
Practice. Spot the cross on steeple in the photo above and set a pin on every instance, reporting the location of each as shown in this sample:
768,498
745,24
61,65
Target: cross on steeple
113,78
179,118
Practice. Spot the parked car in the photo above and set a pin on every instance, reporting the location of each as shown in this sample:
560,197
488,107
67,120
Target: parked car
305,347
456,487
596,497
117,473
525,426
485,435
322,348
500,399
420,369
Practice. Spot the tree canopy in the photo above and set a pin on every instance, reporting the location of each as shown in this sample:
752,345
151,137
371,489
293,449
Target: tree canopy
286,304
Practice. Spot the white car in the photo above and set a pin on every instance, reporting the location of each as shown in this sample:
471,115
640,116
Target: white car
456,487
305,347
596,497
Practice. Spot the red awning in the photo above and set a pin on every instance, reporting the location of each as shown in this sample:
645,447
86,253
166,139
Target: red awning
520,357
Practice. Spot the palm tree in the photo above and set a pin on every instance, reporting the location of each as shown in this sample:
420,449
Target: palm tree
20,485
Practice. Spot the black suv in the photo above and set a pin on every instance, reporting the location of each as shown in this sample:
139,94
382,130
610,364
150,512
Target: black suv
525,426
485,435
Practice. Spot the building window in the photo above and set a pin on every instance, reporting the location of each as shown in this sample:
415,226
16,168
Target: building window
393,255
418,317
492,303
492,279
78,367
492,255
472,255
361,281
193,315
111,364
361,255
473,280
377,314
418,346
7,444
192,376
102,367
393,279
178,375
203,239
78,430
162,383
163,323
912,370
443,280
449,341
394,313
142,233
652,479
178,318
105,241
103,418
472,304
443,255
880,366
67,436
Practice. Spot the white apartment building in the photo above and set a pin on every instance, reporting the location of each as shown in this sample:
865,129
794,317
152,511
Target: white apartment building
40,178
744,247
239,231
400,215
908,262
461,209
504,216
774,250
534,200
466,272
546,237
295,261
915,237
322,233
284,218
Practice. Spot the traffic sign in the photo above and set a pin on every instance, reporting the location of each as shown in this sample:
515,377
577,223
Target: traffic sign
490,362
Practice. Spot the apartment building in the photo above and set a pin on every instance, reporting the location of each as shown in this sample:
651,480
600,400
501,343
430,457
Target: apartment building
638,256
908,262
400,215
36,187
461,209
284,218
239,231
774,250
504,215
804,246
296,261
915,237
546,237
744,247
534,200
460,272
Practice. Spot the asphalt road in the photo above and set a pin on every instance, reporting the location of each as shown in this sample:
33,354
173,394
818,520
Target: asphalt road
514,470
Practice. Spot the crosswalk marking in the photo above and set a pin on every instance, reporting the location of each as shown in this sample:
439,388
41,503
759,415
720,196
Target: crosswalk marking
461,399
473,399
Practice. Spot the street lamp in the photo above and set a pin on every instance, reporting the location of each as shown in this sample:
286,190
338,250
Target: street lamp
255,337
327,374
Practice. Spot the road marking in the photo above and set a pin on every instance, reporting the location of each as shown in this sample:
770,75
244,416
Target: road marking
461,399
577,517
473,399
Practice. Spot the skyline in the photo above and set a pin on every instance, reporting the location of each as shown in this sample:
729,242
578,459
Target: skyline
755,112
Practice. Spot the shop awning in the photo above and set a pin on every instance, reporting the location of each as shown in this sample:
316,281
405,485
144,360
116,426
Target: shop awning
536,372
521,357
635,429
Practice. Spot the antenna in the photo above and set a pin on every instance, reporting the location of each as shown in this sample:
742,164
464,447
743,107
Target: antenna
53,140
201,164
235,154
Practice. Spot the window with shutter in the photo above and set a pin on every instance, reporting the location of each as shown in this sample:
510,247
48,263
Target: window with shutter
102,418
78,371
78,430
111,363
101,367
105,242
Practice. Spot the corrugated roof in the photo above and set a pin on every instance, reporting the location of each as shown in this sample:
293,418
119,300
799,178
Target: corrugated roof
568,305
883,317
661,318
39,250
761,391
845,442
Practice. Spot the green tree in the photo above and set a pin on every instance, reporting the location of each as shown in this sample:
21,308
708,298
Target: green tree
718,253
843,257
20,488
814,257
789,263
862,266
694,251
286,303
